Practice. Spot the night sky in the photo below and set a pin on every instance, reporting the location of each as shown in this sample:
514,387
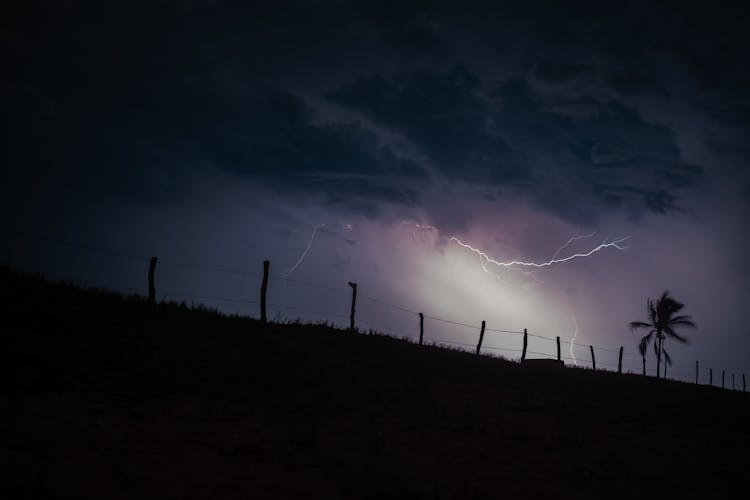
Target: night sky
351,143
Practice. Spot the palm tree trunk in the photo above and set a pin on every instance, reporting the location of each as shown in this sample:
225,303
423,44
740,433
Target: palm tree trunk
658,361
661,349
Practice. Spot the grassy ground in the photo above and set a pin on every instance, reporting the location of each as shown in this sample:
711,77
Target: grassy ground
108,397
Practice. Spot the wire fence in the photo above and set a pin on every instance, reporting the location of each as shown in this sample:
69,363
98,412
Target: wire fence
631,364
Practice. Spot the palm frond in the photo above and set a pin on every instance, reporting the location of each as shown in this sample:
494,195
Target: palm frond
685,321
643,344
684,317
652,314
673,334
634,325
667,359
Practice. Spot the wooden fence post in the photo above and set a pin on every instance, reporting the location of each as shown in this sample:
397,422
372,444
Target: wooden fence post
151,286
644,366
743,382
593,358
722,379
558,349
421,328
263,290
619,362
696,372
481,337
710,377
525,344
354,303
733,381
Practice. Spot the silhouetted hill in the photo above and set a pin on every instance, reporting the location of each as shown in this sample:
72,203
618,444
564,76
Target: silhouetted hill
109,397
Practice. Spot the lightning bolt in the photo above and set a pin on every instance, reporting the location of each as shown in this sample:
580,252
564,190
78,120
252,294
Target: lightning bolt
571,240
576,237
520,265
572,340
524,267
307,249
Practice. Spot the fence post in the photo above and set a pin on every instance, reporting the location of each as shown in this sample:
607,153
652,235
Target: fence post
354,303
481,337
696,372
421,328
722,379
644,366
733,381
619,362
263,290
593,358
558,349
710,377
743,382
525,344
151,286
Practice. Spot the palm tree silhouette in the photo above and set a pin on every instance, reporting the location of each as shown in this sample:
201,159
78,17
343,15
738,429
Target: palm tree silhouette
663,318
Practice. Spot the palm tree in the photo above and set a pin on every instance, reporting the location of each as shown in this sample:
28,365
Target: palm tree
663,318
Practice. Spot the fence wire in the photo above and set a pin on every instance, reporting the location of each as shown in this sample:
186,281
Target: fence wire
583,360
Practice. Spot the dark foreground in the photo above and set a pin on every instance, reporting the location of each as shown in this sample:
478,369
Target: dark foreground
107,397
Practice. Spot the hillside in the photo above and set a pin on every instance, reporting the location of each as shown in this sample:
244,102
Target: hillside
109,397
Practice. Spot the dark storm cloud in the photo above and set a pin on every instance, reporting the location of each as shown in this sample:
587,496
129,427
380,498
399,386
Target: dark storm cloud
116,95
631,83
274,140
410,26
442,113
514,138
118,92
559,72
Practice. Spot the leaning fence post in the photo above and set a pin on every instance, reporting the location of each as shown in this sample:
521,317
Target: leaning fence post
558,348
710,377
525,344
354,303
151,287
421,328
593,358
619,362
263,290
696,372
481,337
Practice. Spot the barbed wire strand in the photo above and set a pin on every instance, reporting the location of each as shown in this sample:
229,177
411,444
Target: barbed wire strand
183,265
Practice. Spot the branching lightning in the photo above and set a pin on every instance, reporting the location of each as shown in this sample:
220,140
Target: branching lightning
519,264
529,268
571,240
307,249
